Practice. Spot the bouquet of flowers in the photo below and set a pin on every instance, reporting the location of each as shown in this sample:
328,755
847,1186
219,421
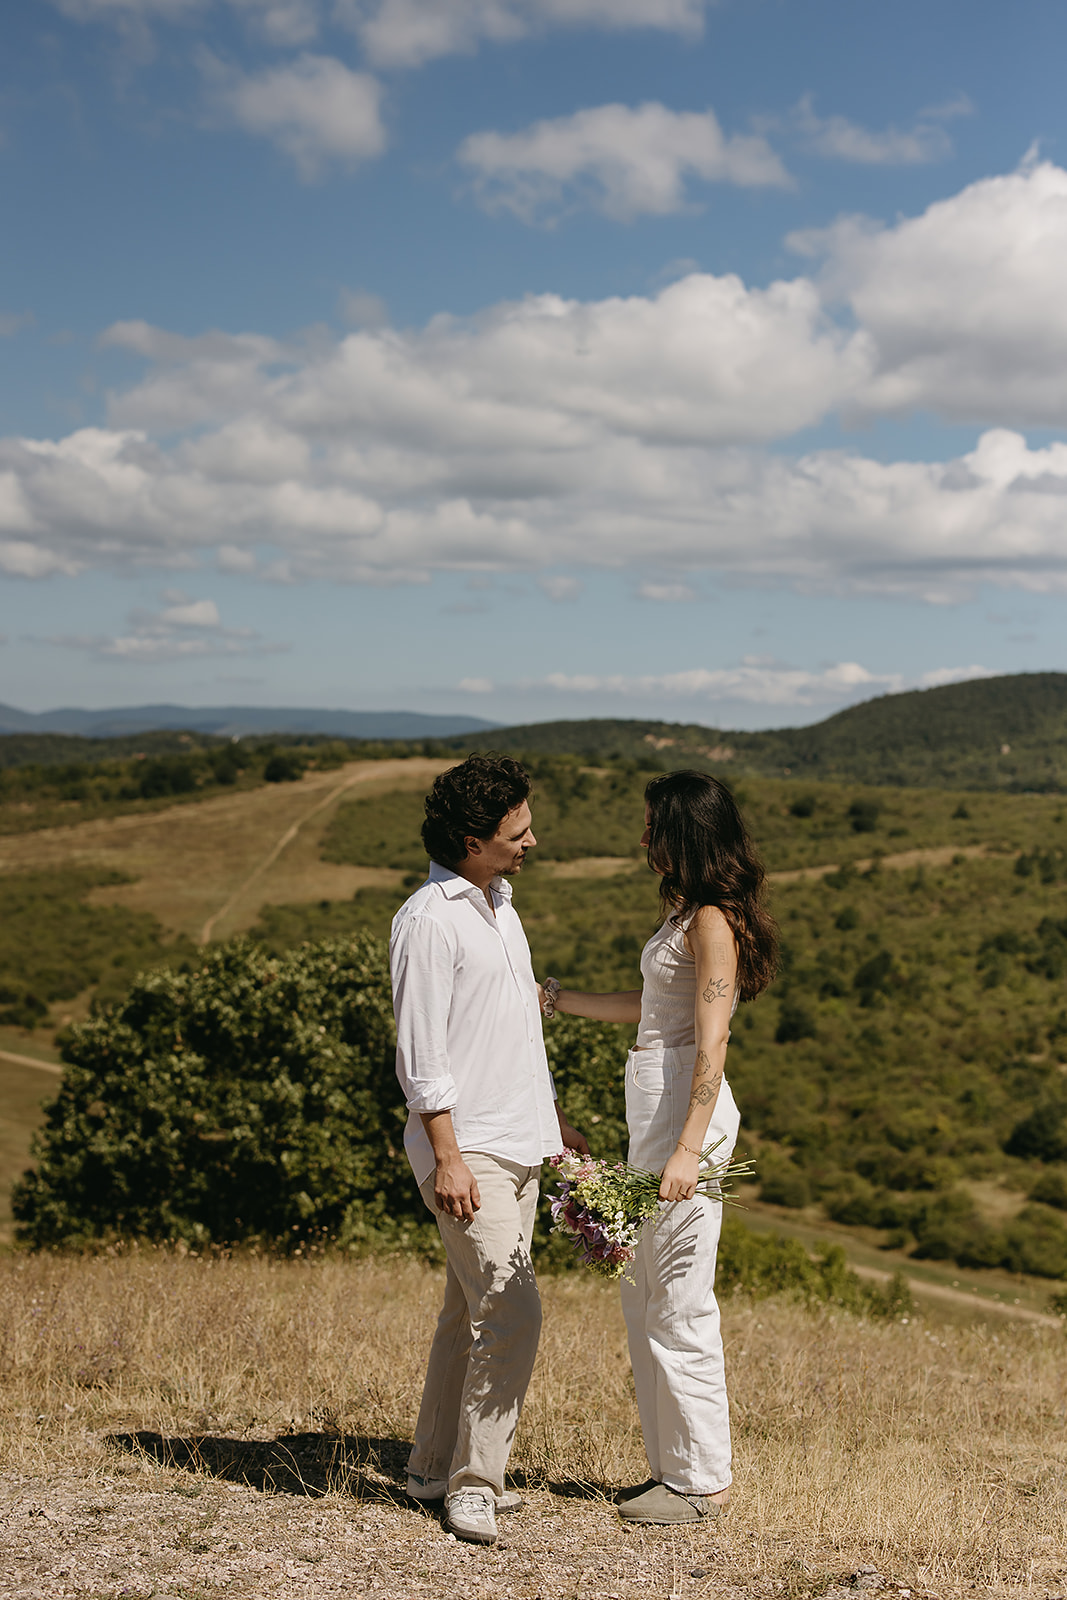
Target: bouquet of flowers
601,1206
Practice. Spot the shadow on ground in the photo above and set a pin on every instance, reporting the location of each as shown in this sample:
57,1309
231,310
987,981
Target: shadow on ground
293,1463
367,1468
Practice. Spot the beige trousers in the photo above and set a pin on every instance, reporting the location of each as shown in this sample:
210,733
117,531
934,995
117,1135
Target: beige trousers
486,1340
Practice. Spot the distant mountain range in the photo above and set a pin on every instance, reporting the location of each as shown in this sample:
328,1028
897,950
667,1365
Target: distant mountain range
990,733
227,721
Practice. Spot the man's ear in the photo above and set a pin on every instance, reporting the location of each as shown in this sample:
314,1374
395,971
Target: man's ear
474,846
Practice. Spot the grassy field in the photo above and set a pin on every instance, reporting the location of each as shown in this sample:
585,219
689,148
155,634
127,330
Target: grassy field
218,861
175,1425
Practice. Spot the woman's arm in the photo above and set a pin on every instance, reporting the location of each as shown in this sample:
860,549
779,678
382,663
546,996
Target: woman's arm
622,1007
715,954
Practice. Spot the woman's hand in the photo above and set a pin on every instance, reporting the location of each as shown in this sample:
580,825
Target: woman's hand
680,1176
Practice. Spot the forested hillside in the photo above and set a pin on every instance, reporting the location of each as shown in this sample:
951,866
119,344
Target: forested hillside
993,733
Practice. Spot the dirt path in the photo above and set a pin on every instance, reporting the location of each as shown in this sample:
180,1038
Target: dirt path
31,1061
220,860
258,872
935,856
922,1289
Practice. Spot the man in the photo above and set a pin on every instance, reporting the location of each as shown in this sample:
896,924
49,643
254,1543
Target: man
482,1117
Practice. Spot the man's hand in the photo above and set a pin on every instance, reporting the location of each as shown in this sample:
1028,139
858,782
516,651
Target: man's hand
680,1177
572,1139
455,1188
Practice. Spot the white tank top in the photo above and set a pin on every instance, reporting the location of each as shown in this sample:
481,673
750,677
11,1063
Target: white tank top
669,990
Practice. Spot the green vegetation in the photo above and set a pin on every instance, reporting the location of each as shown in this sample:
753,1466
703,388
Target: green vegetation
255,1099
250,1098
54,946
581,811
164,770
913,1048
995,733
906,1076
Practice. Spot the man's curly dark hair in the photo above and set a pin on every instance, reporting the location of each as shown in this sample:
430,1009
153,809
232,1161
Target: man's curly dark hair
470,802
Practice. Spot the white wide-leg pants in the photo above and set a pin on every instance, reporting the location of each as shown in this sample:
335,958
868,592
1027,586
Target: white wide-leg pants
672,1316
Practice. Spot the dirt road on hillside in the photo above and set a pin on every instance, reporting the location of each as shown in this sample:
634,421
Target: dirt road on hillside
213,864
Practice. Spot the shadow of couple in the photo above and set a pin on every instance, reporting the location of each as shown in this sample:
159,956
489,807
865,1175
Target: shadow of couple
362,1466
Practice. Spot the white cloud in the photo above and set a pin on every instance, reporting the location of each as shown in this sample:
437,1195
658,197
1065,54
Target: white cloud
842,140
359,308
622,160
623,434
670,594
191,614
315,109
182,628
476,685
757,683
407,33
559,587
282,22
965,303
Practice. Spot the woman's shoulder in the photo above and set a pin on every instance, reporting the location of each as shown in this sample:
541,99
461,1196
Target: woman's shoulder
707,919
706,926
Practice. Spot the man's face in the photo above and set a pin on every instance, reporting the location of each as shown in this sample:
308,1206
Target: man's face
506,851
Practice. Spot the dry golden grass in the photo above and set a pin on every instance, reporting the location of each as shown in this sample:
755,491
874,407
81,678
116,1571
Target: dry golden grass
222,855
275,1401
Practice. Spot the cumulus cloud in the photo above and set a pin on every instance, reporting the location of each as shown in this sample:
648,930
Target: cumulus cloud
550,434
407,33
315,109
625,161
842,140
964,303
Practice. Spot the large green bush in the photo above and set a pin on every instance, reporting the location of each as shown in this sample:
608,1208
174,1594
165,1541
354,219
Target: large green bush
252,1097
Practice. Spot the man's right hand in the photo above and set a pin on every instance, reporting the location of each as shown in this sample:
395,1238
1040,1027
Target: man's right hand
455,1189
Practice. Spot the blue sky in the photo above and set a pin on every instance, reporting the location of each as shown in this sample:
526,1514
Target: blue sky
531,358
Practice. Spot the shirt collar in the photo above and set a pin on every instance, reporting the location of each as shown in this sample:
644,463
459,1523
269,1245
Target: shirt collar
454,885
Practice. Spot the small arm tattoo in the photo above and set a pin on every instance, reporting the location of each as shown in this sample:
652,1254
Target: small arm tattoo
706,1082
719,952
717,989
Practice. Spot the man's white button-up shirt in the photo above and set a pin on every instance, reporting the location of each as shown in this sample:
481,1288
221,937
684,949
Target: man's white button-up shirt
468,1023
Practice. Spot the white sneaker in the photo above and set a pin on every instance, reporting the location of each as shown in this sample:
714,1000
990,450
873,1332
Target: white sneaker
428,1490
471,1514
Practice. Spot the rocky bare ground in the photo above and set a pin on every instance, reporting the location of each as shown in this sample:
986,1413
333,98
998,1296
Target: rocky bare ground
135,1528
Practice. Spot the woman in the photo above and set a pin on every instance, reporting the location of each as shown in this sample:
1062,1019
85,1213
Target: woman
716,946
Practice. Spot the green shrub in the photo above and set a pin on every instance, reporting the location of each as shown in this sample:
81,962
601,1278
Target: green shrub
284,767
251,1098
1051,1189
761,1264
1036,1241
782,1183
1042,1134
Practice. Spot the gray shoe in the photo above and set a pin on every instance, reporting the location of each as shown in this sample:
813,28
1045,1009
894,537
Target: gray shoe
664,1506
471,1514
428,1491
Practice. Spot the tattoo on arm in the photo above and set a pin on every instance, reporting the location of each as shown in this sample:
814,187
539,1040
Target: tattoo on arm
717,989
705,1090
719,953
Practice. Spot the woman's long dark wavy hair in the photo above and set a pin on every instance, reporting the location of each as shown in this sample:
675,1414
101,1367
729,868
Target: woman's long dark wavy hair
699,843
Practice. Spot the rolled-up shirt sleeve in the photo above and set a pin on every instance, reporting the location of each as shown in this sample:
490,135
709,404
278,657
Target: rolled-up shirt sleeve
422,959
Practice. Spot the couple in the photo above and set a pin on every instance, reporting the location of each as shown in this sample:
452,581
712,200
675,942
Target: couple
483,1115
